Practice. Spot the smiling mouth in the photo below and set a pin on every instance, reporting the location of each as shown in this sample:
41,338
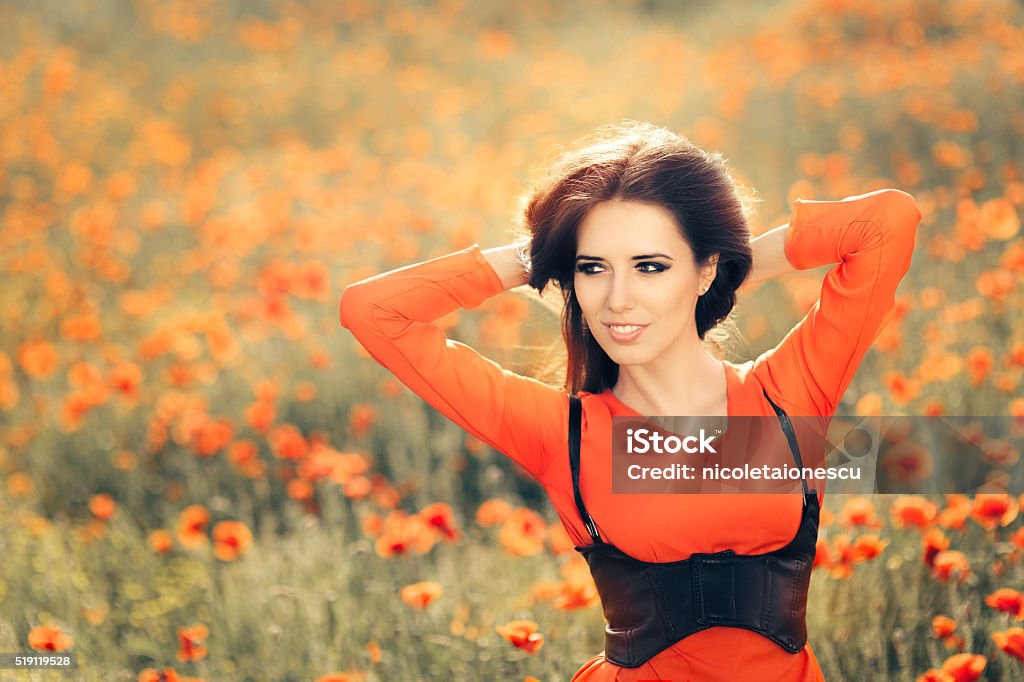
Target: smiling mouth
625,333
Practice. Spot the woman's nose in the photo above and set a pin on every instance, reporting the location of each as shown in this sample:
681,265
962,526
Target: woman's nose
620,294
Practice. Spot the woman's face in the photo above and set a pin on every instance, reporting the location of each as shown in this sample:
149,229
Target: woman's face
633,267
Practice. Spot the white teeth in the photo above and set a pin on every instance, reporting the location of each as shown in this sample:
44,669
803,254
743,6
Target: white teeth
625,329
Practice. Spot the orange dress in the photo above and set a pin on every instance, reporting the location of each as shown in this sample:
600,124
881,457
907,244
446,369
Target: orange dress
870,236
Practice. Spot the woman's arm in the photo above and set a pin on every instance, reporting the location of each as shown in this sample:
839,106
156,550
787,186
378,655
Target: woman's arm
769,256
392,316
509,264
871,237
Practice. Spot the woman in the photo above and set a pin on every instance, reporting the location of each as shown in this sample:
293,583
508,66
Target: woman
647,238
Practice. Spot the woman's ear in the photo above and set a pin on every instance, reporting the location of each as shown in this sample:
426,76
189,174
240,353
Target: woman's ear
708,272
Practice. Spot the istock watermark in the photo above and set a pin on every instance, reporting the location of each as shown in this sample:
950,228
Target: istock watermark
861,455
642,441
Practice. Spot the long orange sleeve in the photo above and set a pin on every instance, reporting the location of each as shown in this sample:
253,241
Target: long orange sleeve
391,315
871,236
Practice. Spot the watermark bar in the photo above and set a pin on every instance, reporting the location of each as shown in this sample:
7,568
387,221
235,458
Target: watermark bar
57,660
859,455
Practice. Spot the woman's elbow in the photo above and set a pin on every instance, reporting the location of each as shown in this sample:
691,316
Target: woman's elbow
903,209
353,309
902,216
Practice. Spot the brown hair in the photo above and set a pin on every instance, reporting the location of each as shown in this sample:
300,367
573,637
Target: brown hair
634,161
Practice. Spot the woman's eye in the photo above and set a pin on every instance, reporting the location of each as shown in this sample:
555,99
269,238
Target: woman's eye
656,267
584,268
647,267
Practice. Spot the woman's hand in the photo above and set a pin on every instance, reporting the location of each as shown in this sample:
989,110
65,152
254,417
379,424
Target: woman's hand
510,263
769,256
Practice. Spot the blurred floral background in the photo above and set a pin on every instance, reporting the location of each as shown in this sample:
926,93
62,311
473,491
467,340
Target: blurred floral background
202,476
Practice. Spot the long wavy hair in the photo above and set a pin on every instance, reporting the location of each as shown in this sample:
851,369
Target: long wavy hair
640,162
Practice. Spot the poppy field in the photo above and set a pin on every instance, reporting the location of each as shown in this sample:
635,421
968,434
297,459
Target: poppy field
203,476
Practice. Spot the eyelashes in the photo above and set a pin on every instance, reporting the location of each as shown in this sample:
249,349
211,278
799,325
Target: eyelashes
654,268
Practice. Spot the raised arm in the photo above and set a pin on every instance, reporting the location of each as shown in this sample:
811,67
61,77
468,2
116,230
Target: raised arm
871,236
391,315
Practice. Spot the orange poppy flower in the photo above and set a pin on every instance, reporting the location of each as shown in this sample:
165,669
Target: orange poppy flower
1013,257
190,642
38,359
1017,539
822,554
103,506
154,675
404,535
358,487
438,516
493,512
495,44
260,416
421,594
939,366
934,542
160,541
1015,357
389,387
902,389
559,540
954,516
998,219
192,524
310,281
81,327
299,489
844,556
1011,642
287,442
231,540
19,484
1001,452
914,511
964,667
49,638
859,511
522,634
949,563
523,532
305,391
869,546
994,509
373,649
906,462
943,626
576,592
546,590
979,363
1008,601
943,629
360,418
241,452
996,284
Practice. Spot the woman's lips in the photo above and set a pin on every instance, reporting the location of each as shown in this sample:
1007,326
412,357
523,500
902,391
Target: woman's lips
626,336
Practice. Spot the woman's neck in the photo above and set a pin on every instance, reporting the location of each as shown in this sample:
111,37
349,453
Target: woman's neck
690,385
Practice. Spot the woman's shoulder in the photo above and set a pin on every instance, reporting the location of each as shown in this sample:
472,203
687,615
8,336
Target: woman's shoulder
763,375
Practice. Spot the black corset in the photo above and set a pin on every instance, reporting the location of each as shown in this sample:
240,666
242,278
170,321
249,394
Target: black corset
649,606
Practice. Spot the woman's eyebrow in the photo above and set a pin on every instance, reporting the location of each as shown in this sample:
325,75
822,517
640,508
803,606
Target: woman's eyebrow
641,257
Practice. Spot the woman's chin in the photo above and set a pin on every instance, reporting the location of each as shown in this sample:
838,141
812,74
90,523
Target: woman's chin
627,356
